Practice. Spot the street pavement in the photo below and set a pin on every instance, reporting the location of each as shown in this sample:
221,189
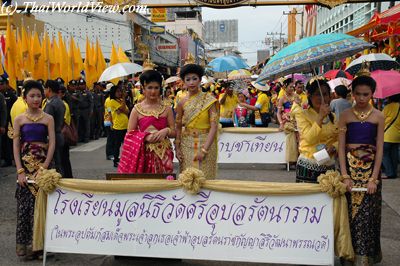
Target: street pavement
89,162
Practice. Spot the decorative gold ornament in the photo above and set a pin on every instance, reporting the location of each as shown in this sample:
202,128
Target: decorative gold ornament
220,3
364,70
34,119
156,113
190,59
120,2
362,116
332,3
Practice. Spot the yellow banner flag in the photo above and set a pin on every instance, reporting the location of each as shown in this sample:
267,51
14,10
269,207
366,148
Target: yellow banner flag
11,54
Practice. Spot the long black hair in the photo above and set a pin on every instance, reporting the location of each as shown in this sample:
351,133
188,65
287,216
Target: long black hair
312,86
113,90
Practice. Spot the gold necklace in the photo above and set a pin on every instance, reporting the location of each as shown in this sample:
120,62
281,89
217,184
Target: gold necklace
362,116
34,118
155,113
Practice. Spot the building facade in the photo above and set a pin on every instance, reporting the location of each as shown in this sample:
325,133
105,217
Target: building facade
344,18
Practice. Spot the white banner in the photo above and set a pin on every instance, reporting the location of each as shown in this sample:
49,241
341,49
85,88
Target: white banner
209,226
252,148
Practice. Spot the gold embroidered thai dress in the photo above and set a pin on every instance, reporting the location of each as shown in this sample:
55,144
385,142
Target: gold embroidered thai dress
364,209
197,123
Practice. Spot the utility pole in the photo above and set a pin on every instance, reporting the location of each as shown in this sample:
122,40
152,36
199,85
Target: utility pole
132,33
292,24
270,40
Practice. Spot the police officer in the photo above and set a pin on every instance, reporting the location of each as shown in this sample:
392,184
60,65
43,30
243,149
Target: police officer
73,97
98,111
85,111
10,97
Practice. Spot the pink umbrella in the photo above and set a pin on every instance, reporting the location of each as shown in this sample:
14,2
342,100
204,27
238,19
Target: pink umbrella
387,83
297,76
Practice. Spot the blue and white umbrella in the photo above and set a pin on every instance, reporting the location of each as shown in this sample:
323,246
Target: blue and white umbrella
311,52
227,63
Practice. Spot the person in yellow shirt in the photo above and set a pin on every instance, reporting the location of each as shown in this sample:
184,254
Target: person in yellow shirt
107,128
18,108
391,113
262,105
318,130
301,95
228,102
119,120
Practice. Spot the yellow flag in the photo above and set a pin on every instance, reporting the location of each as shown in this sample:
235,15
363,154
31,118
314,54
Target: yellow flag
78,59
19,58
114,60
63,58
101,63
46,57
36,52
54,60
26,59
74,66
114,55
90,68
11,53
122,58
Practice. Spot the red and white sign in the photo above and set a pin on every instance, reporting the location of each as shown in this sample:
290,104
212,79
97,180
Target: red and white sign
167,47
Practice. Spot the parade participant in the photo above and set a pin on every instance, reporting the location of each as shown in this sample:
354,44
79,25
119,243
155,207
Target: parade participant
34,143
317,131
301,95
285,103
147,148
56,108
3,118
108,123
97,117
10,98
119,119
240,113
65,161
85,112
262,105
391,113
73,98
227,100
361,136
196,143
341,103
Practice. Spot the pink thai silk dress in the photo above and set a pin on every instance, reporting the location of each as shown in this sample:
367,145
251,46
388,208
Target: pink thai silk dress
139,156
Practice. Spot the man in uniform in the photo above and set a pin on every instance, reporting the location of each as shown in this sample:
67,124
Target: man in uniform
98,108
85,112
56,108
73,98
7,146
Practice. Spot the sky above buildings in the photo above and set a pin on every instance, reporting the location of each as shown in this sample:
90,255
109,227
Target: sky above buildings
254,24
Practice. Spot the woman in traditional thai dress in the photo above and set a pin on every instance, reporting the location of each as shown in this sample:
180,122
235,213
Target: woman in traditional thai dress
34,144
361,131
196,125
318,130
147,148
287,121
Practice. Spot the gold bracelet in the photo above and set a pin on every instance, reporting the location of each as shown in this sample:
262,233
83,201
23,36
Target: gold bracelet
204,150
346,177
373,180
20,171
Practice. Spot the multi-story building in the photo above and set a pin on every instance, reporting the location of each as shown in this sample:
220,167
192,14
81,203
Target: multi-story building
347,17
344,18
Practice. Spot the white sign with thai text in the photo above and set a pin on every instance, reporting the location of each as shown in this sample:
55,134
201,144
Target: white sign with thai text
252,148
208,226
